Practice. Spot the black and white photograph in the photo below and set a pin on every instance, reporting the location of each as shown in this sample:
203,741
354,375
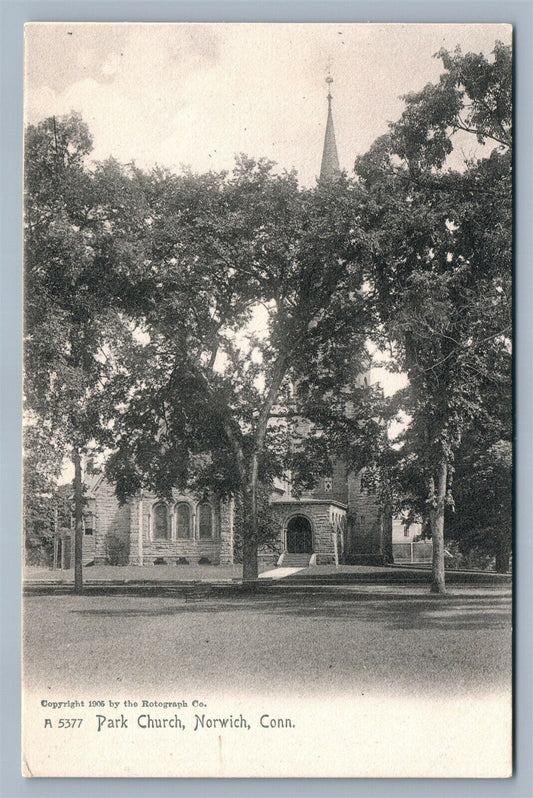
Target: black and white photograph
268,400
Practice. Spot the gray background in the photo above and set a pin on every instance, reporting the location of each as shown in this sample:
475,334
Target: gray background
13,15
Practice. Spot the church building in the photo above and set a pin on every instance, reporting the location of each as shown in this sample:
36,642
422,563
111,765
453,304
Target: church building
338,521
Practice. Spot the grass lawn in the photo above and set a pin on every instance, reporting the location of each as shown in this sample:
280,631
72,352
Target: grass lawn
132,573
342,574
328,638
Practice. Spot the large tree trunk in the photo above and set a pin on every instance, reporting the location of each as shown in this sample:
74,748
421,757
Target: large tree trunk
436,516
503,556
386,533
250,570
78,524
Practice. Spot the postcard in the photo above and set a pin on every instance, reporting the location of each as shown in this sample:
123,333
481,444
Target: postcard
267,400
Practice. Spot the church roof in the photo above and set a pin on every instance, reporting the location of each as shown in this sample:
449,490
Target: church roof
329,168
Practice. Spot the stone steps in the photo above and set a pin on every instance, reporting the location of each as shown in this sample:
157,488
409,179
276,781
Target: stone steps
288,560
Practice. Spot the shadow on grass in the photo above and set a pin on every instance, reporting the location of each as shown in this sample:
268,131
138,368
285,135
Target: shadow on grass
393,611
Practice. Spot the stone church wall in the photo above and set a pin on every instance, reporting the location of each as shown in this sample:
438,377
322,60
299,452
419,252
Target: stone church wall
193,548
364,520
123,534
89,548
334,487
111,525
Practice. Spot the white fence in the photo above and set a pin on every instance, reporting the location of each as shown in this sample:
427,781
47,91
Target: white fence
413,551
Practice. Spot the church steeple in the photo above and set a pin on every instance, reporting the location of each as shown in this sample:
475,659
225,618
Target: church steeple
329,168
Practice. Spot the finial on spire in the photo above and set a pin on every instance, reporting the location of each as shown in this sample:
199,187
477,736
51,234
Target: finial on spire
329,79
329,169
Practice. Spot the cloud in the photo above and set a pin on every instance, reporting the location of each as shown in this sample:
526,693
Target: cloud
197,94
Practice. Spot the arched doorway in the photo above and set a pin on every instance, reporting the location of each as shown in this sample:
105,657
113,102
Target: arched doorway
299,536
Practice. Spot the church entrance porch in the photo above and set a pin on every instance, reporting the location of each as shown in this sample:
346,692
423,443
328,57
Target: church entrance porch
310,531
299,536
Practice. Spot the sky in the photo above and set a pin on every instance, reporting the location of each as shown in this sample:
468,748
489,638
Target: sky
198,94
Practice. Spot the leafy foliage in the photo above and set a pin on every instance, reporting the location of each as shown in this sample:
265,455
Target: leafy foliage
251,288
42,466
483,478
440,262
68,318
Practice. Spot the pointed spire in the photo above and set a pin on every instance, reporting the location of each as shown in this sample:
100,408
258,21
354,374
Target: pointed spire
329,168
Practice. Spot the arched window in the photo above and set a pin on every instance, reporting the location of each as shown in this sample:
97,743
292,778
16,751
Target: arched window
160,521
183,520
205,520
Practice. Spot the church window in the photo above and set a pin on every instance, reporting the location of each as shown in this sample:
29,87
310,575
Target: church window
328,484
205,520
183,520
160,521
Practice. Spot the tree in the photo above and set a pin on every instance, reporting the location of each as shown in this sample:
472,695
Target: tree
251,302
42,466
66,318
481,518
483,501
441,258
